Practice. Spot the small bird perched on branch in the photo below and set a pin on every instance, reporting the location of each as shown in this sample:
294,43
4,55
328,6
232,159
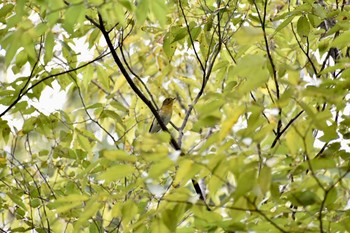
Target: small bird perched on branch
165,113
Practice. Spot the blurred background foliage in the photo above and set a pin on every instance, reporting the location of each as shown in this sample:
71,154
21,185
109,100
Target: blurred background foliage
261,116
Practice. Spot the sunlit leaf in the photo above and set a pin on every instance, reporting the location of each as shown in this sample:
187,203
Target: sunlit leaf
118,155
341,41
253,77
142,11
264,179
243,186
73,16
116,172
168,45
159,8
185,172
49,45
232,118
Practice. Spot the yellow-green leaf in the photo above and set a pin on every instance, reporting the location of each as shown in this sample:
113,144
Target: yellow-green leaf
116,172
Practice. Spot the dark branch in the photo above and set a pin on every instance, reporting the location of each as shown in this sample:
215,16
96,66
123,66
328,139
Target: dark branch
285,129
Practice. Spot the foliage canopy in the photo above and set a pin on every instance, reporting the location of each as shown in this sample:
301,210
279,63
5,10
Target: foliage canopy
261,116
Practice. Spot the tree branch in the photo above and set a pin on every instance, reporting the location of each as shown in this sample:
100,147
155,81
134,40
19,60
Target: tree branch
285,128
23,90
268,51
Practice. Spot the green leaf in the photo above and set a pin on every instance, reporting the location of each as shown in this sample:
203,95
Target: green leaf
54,16
84,143
341,41
93,37
248,35
319,10
66,203
127,4
159,9
21,59
293,141
303,198
17,200
168,46
178,33
195,31
6,9
170,217
303,26
29,125
285,23
186,171
142,10
73,16
232,118
321,163
253,77
19,229
11,43
49,45
90,209
74,197
264,179
129,210
103,77
160,167
245,183
118,155
157,226
5,130
34,203
331,198
204,218
117,172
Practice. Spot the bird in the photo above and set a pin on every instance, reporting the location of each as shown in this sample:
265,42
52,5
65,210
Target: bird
165,113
